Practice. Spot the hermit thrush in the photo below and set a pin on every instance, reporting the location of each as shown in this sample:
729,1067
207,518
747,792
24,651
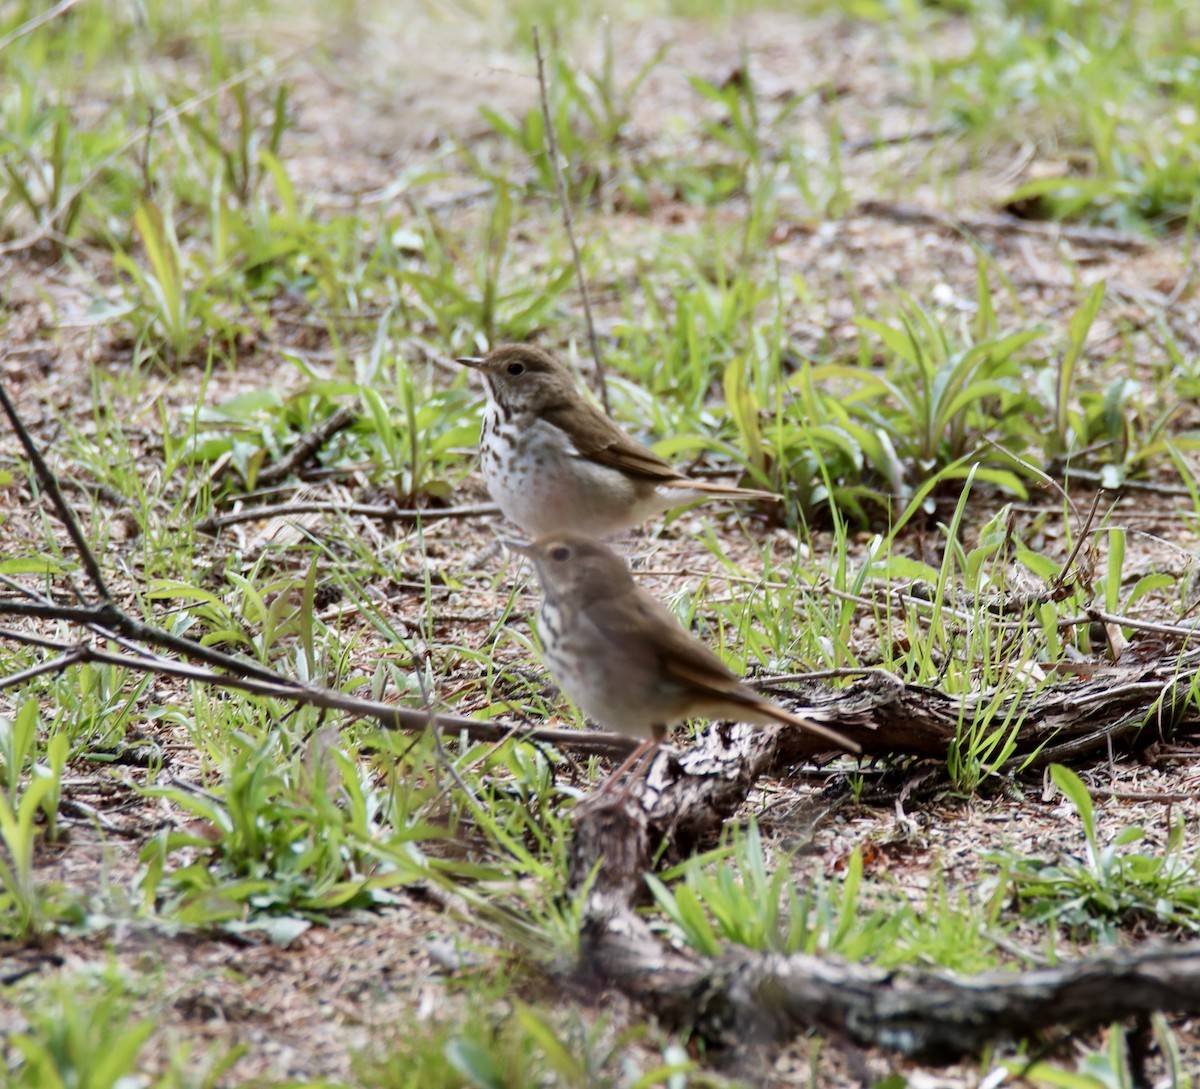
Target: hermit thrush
623,657
553,461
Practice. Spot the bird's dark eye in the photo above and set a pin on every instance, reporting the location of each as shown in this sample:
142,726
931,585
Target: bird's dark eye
562,552
516,368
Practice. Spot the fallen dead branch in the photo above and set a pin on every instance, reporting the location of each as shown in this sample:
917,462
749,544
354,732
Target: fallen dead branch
747,999
306,446
382,511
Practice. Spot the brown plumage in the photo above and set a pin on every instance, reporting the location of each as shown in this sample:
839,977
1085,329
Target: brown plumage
553,461
624,658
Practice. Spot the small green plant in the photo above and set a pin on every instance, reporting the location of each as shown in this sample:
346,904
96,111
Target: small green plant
80,1032
859,436
18,747
983,745
504,801
418,456
1106,1066
1106,88
1064,379
828,457
410,437
264,617
255,427
737,896
96,703
172,299
1139,177
1110,887
194,1066
941,399
246,159
739,129
1113,578
516,1048
994,673
39,159
819,173
470,288
590,114
289,835
27,908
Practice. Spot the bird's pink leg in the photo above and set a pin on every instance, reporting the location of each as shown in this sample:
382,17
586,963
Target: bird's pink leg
641,755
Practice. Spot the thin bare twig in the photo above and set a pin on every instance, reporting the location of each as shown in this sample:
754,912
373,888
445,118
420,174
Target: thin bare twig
1186,631
929,607
307,446
568,222
1005,225
385,714
54,665
364,510
50,483
1033,470
12,608
767,680
32,639
1061,578
1090,476
30,25
898,139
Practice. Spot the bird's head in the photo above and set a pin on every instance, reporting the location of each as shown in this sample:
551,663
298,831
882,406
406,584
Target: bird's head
522,378
575,570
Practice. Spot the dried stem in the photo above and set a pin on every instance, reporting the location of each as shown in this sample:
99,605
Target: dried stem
568,222
381,511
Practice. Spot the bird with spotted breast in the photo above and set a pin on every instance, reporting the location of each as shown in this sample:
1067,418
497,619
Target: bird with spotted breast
625,659
553,461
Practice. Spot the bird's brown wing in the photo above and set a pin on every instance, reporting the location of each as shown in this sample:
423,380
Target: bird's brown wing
641,625
595,436
647,631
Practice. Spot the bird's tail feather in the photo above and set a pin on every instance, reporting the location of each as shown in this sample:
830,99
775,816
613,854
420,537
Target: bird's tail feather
787,718
716,489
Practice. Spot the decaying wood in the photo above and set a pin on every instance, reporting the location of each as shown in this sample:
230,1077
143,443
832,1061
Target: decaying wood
1147,701
747,999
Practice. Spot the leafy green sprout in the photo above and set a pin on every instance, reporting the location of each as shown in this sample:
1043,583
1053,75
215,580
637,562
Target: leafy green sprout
1109,886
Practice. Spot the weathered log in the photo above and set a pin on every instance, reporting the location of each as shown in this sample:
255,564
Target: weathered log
1066,718
747,998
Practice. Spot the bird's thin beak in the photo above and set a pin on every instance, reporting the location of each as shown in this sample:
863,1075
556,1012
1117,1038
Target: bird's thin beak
470,361
525,548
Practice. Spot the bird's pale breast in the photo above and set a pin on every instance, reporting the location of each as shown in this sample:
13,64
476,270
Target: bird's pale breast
540,482
617,686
